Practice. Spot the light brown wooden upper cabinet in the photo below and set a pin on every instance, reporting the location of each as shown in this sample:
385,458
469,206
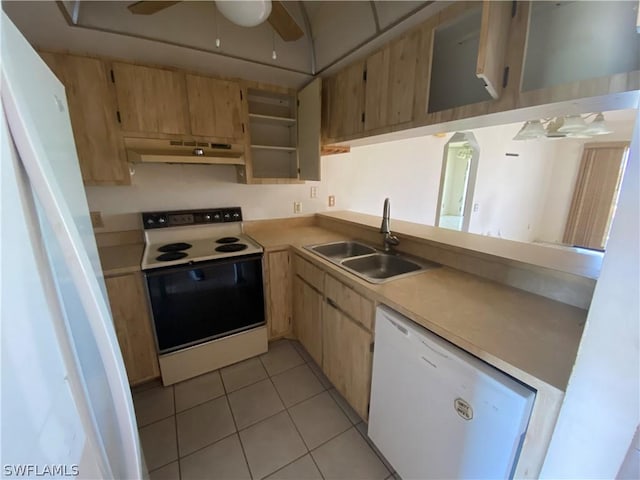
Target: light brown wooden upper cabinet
93,118
390,79
494,31
215,109
343,112
284,132
151,100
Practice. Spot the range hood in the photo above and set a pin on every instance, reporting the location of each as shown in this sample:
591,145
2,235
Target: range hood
148,150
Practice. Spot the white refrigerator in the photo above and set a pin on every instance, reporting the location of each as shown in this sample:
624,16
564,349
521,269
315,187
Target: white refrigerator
66,406
438,412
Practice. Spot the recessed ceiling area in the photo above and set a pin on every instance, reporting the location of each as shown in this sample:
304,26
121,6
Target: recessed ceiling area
184,35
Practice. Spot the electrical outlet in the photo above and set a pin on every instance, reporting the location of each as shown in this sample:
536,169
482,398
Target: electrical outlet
332,200
297,207
96,219
314,192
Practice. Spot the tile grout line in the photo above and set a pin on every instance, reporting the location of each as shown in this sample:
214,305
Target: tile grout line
175,419
237,432
370,443
286,409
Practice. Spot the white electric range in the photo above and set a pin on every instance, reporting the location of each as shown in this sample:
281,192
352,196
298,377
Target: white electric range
205,289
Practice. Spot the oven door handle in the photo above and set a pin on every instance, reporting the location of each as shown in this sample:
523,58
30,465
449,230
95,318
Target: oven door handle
201,265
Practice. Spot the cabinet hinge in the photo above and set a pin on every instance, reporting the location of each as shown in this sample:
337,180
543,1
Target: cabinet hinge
297,103
241,95
505,77
364,75
371,347
298,170
514,8
118,116
113,77
243,128
363,117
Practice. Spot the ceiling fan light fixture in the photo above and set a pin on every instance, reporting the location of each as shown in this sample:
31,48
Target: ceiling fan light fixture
573,124
531,129
246,13
598,126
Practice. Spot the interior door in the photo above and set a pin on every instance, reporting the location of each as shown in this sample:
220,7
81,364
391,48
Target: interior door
309,119
595,195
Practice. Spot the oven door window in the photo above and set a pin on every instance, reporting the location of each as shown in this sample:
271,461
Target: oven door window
196,303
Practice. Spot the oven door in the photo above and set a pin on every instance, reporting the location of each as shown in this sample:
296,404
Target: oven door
192,304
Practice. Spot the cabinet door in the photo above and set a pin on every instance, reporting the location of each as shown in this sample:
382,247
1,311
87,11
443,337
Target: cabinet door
307,315
494,30
309,114
93,118
279,293
377,90
151,100
345,102
133,327
215,109
347,358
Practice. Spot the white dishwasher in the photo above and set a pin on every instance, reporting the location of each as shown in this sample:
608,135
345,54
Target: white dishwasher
438,412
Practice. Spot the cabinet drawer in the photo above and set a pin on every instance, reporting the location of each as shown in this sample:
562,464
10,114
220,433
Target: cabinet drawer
349,301
309,272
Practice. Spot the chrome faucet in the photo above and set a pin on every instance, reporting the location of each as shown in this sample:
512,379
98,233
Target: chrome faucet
388,240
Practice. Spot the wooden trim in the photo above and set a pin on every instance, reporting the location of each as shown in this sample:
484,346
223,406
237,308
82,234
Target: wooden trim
334,149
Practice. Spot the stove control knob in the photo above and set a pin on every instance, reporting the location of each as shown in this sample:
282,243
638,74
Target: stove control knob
161,220
207,217
236,215
150,221
227,216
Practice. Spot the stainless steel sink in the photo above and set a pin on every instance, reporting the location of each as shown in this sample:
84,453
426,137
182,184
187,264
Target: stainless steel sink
340,250
381,265
368,263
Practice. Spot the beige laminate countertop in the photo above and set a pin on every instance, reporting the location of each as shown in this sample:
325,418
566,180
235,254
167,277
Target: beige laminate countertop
530,337
120,259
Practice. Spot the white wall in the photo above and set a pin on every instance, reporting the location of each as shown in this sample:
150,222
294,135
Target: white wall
524,198
175,187
601,410
407,171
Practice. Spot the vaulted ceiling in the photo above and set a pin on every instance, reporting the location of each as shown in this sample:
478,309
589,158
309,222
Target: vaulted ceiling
184,35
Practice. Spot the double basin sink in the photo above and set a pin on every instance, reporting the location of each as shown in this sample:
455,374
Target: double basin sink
368,263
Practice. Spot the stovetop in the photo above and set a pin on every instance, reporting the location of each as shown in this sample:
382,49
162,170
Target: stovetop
184,237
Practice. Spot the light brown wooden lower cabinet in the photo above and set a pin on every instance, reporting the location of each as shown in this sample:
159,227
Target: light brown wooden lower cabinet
347,358
133,326
307,314
277,273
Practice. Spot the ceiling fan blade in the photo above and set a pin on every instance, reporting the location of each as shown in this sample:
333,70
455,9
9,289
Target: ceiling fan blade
149,7
283,23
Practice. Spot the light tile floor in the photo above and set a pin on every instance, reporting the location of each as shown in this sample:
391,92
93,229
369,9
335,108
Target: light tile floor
275,416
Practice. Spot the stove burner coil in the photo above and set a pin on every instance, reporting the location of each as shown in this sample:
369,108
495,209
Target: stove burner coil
231,247
174,247
227,240
169,256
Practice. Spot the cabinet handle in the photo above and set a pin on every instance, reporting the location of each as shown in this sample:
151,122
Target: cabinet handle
332,303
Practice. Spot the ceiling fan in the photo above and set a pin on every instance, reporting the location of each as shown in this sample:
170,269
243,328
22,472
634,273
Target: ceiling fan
246,14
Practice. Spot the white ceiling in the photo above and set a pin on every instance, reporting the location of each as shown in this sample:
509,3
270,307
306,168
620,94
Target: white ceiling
184,34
